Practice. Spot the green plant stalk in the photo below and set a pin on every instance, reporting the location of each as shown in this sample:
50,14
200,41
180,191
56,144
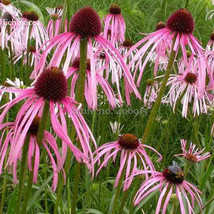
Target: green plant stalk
42,126
81,99
124,199
4,190
116,196
28,188
160,95
23,171
43,123
186,4
3,73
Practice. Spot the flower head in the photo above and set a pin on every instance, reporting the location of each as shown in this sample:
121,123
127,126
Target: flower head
49,143
133,155
177,35
193,154
168,181
115,26
51,89
85,24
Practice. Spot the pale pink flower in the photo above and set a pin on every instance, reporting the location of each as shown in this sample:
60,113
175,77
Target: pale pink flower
151,93
53,27
8,145
31,28
114,25
193,154
33,56
107,89
168,181
84,24
51,88
187,84
179,27
9,84
132,156
10,17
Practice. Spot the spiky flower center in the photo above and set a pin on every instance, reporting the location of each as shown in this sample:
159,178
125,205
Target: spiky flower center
76,64
54,17
86,23
34,127
51,85
174,175
160,25
190,78
149,82
6,2
32,49
30,16
191,157
181,21
102,55
128,141
212,36
127,43
7,17
115,9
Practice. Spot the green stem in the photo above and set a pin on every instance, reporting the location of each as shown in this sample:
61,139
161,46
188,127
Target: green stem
23,171
3,71
186,4
80,98
116,196
4,190
42,126
161,92
28,189
124,199
43,123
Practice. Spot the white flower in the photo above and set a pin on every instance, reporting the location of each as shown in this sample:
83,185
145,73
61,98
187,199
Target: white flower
116,127
9,84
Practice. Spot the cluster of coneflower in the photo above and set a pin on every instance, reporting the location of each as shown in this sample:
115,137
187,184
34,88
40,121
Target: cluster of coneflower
65,63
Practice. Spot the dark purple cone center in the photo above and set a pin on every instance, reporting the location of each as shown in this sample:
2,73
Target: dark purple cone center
190,78
160,25
127,43
86,23
30,15
51,85
174,175
76,64
115,9
128,141
34,128
181,21
212,36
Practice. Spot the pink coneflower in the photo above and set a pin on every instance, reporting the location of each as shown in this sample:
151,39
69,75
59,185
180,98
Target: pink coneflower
193,154
10,17
179,27
168,181
51,88
53,27
187,84
32,28
9,84
7,7
32,53
115,26
90,98
132,156
151,93
84,24
49,143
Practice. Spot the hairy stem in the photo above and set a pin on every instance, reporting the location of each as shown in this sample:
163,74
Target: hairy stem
160,95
